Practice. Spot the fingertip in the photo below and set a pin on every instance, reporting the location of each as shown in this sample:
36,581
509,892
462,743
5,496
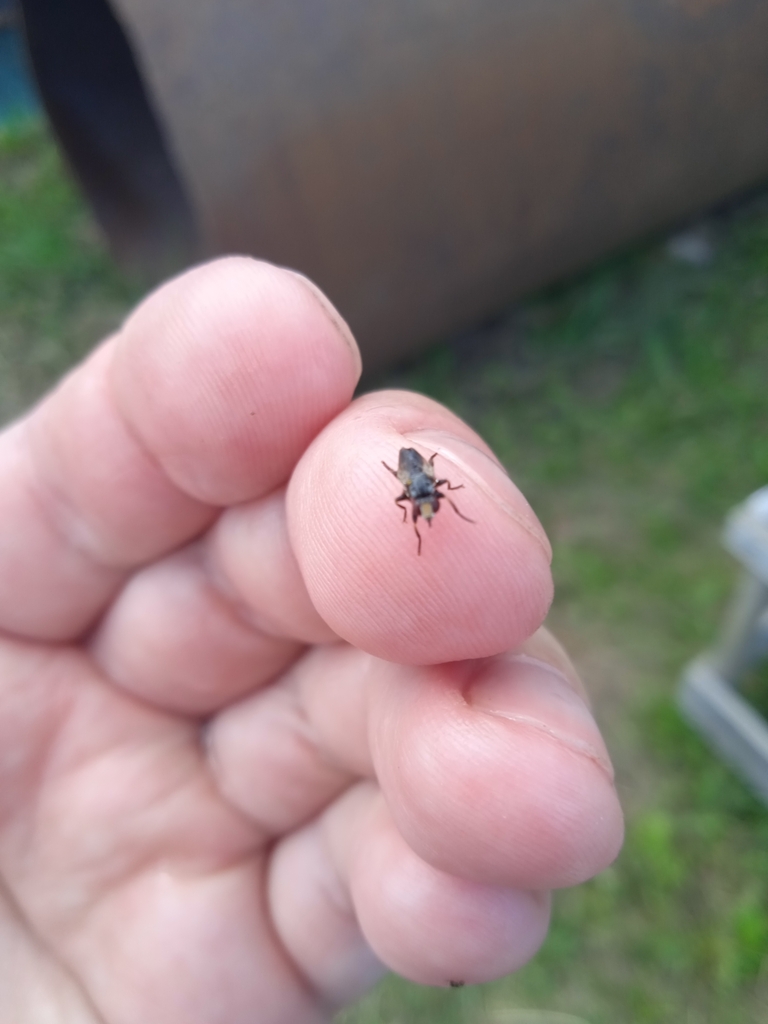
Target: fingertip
334,316
436,928
470,590
496,770
227,372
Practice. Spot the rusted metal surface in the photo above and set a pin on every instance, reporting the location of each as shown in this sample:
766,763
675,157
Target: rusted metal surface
102,116
427,160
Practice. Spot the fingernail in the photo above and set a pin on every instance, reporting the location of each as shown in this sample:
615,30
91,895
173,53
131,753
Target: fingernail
533,695
333,315
488,475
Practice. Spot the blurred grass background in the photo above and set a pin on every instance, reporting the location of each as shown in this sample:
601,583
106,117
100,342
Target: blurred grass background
631,407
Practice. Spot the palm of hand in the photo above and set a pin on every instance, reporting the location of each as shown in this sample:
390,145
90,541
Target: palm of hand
213,808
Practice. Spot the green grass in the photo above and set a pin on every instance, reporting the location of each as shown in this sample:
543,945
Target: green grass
59,291
632,407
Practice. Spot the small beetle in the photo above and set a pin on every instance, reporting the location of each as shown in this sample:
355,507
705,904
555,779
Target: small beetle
417,475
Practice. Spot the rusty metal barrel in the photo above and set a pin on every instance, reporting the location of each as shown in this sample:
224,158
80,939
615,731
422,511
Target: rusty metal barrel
426,161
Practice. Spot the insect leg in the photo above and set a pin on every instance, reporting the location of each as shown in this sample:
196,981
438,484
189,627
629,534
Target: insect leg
416,514
453,506
416,530
392,471
439,483
403,497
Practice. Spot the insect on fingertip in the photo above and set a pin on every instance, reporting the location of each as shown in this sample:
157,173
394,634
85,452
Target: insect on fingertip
421,489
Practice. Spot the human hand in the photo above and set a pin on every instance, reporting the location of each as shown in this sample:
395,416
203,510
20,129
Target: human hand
222,799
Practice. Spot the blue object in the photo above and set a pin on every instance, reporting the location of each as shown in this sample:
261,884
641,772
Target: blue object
18,97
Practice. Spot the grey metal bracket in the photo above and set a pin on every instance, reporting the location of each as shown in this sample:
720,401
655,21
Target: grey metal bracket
709,694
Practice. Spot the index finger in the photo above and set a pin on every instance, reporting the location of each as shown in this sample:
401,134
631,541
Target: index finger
206,397
476,589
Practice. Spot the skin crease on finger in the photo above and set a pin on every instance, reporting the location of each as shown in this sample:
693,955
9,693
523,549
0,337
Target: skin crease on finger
476,590
214,620
34,987
174,639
